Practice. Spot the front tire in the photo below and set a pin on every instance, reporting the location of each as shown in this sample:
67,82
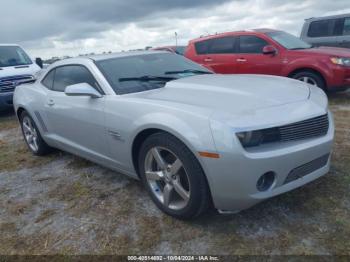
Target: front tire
310,78
173,177
32,136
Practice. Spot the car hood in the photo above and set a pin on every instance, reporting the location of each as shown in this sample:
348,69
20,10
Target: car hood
230,93
331,51
18,70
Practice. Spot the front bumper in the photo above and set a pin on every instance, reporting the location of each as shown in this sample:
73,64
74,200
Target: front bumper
6,101
339,80
233,177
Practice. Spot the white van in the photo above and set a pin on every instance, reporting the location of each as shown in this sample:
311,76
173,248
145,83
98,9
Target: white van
16,67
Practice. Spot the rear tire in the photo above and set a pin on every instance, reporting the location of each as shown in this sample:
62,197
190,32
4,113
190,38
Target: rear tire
32,136
310,78
173,177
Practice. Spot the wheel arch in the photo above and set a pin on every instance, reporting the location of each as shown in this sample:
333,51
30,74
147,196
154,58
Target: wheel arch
137,143
145,133
308,69
19,111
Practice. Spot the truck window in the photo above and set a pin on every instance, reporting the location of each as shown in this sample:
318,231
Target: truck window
346,30
326,28
13,56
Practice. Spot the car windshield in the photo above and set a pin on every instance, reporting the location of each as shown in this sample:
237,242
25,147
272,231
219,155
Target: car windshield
137,73
13,56
289,41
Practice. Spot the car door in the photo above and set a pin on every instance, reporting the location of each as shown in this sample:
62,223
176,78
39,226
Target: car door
76,123
222,56
251,59
199,53
217,54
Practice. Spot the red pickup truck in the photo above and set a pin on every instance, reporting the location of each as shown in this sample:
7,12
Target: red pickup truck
273,52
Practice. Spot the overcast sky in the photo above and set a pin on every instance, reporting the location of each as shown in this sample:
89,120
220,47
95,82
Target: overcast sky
49,28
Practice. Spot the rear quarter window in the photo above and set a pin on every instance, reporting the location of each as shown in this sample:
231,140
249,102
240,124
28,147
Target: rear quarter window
201,47
48,80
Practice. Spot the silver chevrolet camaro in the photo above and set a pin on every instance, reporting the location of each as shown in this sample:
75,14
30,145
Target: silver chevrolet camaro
195,139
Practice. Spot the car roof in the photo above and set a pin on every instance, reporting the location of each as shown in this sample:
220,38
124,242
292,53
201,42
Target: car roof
257,31
83,59
168,46
327,17
9,45
122,54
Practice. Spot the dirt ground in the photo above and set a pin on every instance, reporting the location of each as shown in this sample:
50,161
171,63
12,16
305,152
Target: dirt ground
61,204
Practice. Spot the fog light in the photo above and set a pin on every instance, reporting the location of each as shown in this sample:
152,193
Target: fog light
266,181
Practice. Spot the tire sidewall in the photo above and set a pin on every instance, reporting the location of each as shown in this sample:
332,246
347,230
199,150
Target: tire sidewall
193,169
42,146
320,82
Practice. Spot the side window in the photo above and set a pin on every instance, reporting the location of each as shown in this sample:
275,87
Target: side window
346,30
338,27
326,28
71,75
222,45
201,47
249,44
321,28
48,80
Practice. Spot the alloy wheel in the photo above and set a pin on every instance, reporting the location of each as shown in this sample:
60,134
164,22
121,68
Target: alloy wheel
30,133
167,178
308,80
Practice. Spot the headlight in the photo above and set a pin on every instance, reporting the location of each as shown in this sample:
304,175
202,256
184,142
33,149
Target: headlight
341,61
250,138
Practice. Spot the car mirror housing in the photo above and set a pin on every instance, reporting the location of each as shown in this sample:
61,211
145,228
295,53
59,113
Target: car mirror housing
39,62
269,50
82,89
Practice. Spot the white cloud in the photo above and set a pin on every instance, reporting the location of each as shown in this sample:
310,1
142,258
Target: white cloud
158,28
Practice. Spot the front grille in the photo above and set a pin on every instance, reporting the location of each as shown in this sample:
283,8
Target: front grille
310,128
313,127
8,84
307,168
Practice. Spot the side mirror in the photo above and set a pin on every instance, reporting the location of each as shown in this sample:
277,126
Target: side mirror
39,62
83,89
269,50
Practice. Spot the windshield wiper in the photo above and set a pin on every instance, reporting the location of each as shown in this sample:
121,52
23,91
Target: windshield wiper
188,71
147,78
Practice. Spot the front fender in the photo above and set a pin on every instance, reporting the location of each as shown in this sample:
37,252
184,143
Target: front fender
195,133
321,66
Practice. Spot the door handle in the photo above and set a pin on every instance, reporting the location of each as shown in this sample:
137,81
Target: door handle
208,60
241,60
50,102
